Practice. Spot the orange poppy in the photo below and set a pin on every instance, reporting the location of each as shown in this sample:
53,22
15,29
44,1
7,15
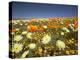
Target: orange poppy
13,30
75,24
67,24
33,28
41,29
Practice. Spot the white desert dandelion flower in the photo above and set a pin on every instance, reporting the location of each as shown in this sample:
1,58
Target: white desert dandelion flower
24,54
24,32
17,48
60,44
18,37
67,30
46,39
28,27
32,45
21,24
45,26
62,33
29,35
17,29
12,33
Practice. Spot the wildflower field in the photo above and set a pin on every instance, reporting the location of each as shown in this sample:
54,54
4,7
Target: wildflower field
43,37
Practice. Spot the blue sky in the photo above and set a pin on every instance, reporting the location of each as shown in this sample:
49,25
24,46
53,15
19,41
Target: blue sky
29,10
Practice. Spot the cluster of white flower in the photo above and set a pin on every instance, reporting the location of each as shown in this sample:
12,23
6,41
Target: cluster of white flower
17,29
28,27
60,44
65,29
62,33
29,35
17,37
24,54
32,45
46,39
17,47
45,27
24,32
